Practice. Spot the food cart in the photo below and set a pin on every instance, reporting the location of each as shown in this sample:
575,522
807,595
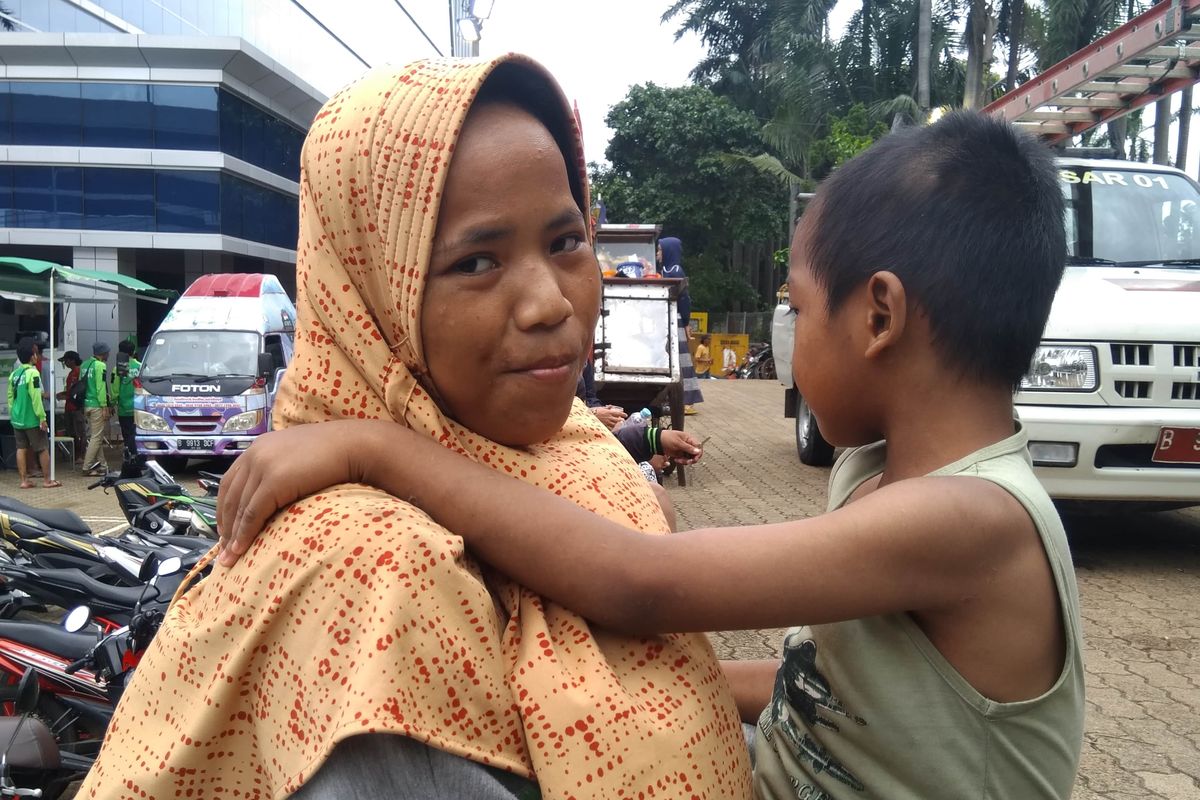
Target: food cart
637,334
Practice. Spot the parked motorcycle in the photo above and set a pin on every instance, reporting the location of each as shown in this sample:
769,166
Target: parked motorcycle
155,502
82,677
759,363
32,765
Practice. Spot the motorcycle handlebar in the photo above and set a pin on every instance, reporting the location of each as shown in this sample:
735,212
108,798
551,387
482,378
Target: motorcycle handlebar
141,512
75,666
98,483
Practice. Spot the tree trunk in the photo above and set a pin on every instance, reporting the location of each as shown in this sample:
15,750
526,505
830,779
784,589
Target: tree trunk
1185,125
981,25
1162,131
865,45
924,45
1117,133
1016,30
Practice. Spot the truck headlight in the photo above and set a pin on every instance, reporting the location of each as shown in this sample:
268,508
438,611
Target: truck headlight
146,421
247,420
1062,368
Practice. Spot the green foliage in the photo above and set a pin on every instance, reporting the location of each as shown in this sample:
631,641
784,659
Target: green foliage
670,163
848,136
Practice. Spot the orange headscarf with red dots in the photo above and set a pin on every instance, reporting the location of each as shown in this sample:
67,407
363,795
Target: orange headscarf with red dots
354,612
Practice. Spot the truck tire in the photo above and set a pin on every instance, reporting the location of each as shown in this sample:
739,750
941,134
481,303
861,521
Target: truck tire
810,444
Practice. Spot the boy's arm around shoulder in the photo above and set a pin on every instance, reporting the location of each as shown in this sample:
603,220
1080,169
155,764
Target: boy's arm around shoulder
919,545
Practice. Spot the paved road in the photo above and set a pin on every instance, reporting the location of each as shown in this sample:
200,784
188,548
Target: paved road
1139,579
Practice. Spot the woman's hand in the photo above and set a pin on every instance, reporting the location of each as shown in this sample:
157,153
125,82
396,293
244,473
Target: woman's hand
280,468
681,447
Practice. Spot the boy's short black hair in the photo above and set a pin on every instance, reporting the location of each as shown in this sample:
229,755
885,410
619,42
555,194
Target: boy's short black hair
968,213
125,346
25,350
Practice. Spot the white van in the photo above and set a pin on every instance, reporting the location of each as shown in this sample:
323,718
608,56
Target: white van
1112,399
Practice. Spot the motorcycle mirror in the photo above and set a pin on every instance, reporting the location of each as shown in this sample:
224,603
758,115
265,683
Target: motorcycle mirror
77,618
149,568
169,566
28,692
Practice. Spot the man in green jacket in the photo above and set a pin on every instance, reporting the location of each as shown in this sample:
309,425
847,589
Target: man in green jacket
125,370
28,416
95,407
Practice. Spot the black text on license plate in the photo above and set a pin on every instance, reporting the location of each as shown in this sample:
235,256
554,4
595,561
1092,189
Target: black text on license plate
196,444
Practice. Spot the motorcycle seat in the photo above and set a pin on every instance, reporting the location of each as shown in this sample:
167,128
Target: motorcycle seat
60,519
49,638
34,748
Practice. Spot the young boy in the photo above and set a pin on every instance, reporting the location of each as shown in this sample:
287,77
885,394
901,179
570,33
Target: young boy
939,653
29,416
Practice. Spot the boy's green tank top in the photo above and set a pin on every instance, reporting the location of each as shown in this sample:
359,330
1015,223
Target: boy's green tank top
870,709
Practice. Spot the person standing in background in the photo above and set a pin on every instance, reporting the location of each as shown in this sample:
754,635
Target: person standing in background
704,360
670,255
121,394
95,407
73,414
28,416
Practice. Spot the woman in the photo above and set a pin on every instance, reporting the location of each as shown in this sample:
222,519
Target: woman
670,255
446,281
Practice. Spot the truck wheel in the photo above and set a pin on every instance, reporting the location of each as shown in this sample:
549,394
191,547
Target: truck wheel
810,444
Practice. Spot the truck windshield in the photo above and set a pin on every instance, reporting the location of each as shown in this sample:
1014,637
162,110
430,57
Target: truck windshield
201,354
1122,216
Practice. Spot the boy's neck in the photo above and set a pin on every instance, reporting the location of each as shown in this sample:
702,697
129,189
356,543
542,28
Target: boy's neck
941,423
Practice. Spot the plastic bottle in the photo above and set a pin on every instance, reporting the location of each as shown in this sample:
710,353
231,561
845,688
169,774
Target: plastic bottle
641,418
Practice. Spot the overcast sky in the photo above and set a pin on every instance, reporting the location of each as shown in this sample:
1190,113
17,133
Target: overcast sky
599,48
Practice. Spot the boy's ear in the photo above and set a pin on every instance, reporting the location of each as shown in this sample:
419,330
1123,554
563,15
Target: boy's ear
887,312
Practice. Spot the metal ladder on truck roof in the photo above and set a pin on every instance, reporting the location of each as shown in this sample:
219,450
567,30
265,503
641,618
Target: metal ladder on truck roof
1141,62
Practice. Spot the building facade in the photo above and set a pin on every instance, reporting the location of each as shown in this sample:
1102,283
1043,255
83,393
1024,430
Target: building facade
161,138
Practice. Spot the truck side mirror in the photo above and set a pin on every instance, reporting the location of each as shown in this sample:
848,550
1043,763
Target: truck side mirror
266,365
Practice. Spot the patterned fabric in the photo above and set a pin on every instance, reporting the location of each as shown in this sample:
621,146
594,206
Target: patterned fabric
354,612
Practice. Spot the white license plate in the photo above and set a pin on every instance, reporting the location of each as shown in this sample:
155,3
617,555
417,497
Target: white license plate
197,444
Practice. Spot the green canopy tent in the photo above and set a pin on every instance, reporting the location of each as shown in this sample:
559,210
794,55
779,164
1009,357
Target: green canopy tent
33,280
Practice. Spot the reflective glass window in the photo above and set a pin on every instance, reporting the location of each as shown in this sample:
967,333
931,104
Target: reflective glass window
185,117
6,175
254,147
231,124
117,115
119,199
232,208
188,201
46,197
5,115
45,113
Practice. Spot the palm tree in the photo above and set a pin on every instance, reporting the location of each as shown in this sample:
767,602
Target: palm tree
924,43
6,18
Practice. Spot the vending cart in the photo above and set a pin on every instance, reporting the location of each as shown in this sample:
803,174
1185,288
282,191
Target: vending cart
637,335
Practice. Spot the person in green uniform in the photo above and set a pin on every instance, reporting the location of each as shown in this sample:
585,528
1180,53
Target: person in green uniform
121,394
95,407
28,416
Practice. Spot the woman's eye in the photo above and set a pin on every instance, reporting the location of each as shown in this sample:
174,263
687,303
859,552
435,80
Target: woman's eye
567,244
475,265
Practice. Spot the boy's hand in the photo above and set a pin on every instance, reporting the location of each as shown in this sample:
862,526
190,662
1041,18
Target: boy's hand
280,468
681,447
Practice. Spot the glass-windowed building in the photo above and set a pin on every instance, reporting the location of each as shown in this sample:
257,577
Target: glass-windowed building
161,138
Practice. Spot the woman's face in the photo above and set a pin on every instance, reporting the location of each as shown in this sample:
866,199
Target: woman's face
514,288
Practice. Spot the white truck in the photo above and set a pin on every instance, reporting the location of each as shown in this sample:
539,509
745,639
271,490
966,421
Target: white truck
1112,398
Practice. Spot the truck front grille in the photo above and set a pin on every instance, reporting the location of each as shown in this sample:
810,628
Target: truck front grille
1152,374
1185,391
1133,355
1135,389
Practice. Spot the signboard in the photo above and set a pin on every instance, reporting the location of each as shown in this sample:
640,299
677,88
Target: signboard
727,351
699,322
